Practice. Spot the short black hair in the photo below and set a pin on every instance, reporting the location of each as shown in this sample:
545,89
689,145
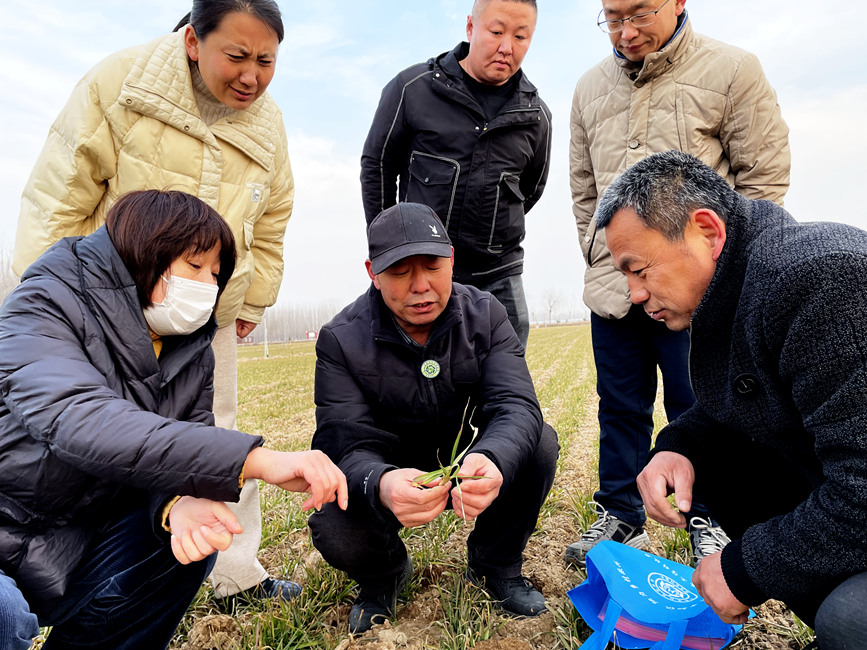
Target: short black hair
478,5
664,190
150,229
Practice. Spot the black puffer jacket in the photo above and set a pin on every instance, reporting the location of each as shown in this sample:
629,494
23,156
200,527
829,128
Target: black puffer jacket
368,374
479,176
90,420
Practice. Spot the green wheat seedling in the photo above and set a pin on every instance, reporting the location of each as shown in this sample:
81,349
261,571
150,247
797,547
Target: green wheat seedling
448,472
469,616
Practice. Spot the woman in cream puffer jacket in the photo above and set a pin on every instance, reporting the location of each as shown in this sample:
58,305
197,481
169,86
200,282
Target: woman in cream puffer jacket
190,112
133,123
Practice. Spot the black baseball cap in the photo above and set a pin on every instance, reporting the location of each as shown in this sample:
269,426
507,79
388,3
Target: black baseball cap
404,230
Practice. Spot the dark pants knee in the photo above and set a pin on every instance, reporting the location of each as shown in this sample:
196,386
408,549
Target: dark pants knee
129,593
496,545
18,625
841,623
359,542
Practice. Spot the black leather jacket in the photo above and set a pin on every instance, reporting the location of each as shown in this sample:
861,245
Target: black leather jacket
479,176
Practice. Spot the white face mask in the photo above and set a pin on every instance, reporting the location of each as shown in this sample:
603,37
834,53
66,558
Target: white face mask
187,306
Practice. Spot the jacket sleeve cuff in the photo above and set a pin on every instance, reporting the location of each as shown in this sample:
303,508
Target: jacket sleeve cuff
673,440
736,576
164,515
371,487
251,313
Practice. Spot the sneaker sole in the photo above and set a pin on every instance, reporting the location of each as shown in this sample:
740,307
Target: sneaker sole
641,542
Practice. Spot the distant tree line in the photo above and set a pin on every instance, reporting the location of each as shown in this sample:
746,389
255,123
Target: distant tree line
554,308
296,322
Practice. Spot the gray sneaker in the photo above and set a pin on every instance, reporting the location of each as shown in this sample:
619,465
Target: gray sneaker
606,526
706,537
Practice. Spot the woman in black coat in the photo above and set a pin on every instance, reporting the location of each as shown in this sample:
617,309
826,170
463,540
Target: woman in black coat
112,475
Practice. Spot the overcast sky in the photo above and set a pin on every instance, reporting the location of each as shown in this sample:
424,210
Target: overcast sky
337,56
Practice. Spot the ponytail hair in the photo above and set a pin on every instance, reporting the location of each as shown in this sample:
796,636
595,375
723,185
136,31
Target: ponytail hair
206,15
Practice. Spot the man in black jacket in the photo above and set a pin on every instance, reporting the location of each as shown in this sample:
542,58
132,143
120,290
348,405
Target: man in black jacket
411,365
467,134
776,443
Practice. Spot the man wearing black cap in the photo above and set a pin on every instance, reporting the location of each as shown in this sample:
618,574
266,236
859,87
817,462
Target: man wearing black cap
403,371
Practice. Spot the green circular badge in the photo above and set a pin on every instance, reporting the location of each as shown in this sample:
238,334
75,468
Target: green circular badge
430,368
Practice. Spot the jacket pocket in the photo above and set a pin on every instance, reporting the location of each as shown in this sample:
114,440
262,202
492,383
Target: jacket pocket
13,510
507,221
433,181
699,114
596,247
248,234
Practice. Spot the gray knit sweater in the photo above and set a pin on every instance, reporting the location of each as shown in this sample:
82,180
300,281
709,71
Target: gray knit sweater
787,307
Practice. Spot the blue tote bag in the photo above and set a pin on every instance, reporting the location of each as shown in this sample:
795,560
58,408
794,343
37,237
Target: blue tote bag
639,600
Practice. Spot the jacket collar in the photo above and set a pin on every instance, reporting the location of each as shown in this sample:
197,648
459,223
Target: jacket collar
159,85
383,326
657,63
449,62
92,268
748,221
448,80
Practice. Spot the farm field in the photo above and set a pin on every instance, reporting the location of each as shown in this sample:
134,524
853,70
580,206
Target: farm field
438,608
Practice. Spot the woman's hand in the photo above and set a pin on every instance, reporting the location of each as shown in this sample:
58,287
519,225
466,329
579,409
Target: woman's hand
243,328
300,471
201,527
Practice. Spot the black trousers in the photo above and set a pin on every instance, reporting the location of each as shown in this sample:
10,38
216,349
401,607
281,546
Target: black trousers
367,547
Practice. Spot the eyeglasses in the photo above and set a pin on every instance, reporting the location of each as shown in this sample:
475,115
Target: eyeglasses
637,20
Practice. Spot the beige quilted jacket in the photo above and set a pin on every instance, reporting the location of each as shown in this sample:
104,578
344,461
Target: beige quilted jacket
132,123
697,95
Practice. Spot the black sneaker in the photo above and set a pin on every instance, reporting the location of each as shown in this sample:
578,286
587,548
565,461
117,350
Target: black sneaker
373,607
269,588
516,595
606,526
706,537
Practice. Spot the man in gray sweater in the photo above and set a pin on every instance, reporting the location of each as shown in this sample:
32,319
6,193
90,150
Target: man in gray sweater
776,443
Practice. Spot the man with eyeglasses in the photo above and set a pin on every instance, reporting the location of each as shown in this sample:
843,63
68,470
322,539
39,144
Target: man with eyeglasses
665,87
